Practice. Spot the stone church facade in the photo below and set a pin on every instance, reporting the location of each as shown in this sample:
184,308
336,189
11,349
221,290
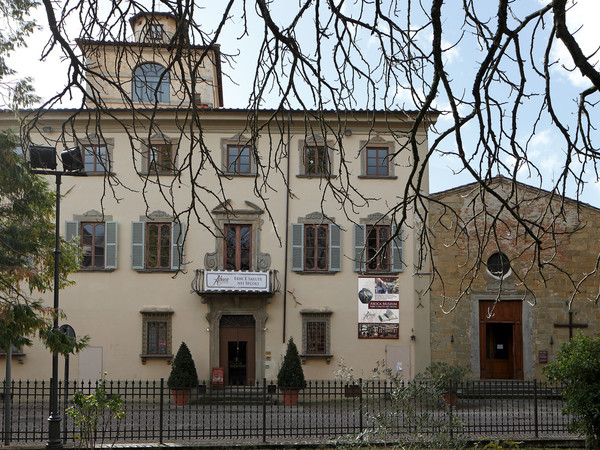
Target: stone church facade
502,318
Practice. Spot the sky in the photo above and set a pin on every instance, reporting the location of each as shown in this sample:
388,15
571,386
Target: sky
460,62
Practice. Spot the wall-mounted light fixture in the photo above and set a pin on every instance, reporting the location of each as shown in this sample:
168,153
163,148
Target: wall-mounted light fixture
412,334
452,339
551,341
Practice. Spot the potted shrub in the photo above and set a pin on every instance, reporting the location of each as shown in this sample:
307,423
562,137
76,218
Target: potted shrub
290,378
446,378
183,376
346,375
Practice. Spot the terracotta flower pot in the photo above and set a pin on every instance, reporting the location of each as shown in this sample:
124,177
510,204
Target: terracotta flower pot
180,397
290,397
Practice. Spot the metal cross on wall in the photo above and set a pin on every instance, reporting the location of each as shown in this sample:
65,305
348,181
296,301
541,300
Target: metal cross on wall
570,325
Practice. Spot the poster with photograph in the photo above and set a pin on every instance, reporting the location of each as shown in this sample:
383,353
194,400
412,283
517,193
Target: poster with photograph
378,307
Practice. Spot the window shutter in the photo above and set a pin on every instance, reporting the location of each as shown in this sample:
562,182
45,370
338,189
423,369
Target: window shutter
360,235
110,245
297,247
138,230
335,248
71,230
397,251
177,237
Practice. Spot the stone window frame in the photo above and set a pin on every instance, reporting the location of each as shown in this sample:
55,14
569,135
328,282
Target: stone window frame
111,237
17,353
396,244
238,140
377,142
94,140
158,139
316,218
139,239
164,99
506,272
316,316
223,215
316,141
157,314
154,31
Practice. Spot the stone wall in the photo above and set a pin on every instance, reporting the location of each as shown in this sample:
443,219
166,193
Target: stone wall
547,265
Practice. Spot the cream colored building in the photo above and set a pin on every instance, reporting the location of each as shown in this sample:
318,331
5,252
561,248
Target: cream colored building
236,279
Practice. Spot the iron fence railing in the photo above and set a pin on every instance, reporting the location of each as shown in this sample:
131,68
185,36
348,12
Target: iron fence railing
325,411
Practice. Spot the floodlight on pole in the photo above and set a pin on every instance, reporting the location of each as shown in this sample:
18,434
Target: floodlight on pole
43,160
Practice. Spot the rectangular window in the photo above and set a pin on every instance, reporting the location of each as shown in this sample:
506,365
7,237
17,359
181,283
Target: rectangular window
158,245
92,243
238,159
316,338
95,158
155,31
160,158
316,333
157,338
315,247
238,247
377,248
316,161
377,161
156,333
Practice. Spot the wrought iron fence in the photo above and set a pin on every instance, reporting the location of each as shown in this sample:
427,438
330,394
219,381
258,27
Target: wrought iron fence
325,410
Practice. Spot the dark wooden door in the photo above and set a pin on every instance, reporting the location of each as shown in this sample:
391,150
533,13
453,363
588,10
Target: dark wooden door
237,349
501,340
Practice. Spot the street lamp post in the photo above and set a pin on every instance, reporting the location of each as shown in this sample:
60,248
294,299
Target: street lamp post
43,161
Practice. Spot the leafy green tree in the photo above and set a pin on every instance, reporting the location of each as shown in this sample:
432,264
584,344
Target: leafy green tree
14,29
27,241
577,365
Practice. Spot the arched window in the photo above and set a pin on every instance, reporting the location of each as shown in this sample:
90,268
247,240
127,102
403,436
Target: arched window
151,84
498,264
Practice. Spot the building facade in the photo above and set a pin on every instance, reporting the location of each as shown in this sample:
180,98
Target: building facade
501,317
268,251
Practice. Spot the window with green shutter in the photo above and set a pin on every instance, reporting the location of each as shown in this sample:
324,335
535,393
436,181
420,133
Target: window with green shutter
378,249
157,246
98,241
316,247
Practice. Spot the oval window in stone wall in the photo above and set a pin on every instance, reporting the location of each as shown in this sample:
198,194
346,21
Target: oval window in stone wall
498,264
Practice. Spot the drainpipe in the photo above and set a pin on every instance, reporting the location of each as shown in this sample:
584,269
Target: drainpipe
287,224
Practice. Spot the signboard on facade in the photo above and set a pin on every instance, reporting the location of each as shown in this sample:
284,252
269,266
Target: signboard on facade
218,376
378,308
223,280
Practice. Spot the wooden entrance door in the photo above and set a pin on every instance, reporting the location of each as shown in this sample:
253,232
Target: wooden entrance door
237,349
501,340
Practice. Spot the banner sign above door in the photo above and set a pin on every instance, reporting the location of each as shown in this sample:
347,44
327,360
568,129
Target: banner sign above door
223,280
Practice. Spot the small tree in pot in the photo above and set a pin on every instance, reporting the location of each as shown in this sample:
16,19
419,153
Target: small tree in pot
183,375
290,378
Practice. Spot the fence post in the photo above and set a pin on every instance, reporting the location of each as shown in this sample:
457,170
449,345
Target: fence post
535,406
264,411
451,386
360,405
161,411
7,403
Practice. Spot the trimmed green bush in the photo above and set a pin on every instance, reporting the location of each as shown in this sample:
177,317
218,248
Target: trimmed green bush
577,365
183,370
290,375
